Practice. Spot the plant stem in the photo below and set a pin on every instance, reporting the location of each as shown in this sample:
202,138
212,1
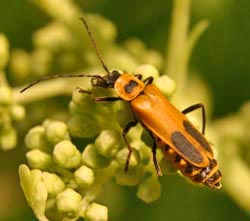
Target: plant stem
177,37
182,68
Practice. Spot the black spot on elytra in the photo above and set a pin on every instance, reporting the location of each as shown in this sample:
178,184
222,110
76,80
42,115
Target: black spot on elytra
186,148
197,136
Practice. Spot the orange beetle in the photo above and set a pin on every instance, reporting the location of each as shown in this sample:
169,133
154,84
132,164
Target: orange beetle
170,129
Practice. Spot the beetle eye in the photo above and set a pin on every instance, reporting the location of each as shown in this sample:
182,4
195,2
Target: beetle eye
115,74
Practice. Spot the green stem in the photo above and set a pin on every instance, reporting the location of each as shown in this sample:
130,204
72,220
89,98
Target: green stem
102,177
177,37
185,55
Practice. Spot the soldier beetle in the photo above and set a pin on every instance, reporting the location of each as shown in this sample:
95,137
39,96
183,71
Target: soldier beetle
170,129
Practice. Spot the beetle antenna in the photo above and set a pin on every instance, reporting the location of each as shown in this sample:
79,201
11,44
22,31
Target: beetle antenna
75,75
59,76
94,45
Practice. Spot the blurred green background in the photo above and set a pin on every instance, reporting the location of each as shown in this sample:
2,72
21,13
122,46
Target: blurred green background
222,56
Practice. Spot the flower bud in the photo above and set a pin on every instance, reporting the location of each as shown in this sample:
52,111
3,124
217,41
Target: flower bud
68,203
124,115
6,95
38,159
36,139
131,178
96,212
55,131
66,155
8,138
25,181
122,155
41,61
4,51
147,70
20,64
84,176
92,158
166,85
17,112
108,143
53,183
83,126
39,198
166,166
149,190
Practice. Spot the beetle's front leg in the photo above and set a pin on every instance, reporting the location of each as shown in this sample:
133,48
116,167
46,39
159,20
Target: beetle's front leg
124,134
98,99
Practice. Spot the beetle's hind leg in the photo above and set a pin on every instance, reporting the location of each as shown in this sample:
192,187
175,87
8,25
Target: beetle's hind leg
156,164
203,112
98,99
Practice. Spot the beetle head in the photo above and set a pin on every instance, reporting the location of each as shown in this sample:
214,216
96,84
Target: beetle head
106,81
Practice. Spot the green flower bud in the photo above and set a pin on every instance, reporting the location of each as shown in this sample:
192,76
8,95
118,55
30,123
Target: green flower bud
83,101
131,178
166,166
67,12
66,155
108,143
153,57
96,212
41,61
37,159
92,158
121,157
8,138
166,85
134,46
20,64
6,95
4,51
53,183
124,115
68,203
121,59
51,210
55,131
25,181
83,126
36,139
39,198
34,189
147,70
54,36
17,112
149,190
84,177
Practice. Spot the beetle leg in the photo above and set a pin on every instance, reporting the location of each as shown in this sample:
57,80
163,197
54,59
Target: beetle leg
139,76
124,133
148,80
156,164
195,107
98,99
